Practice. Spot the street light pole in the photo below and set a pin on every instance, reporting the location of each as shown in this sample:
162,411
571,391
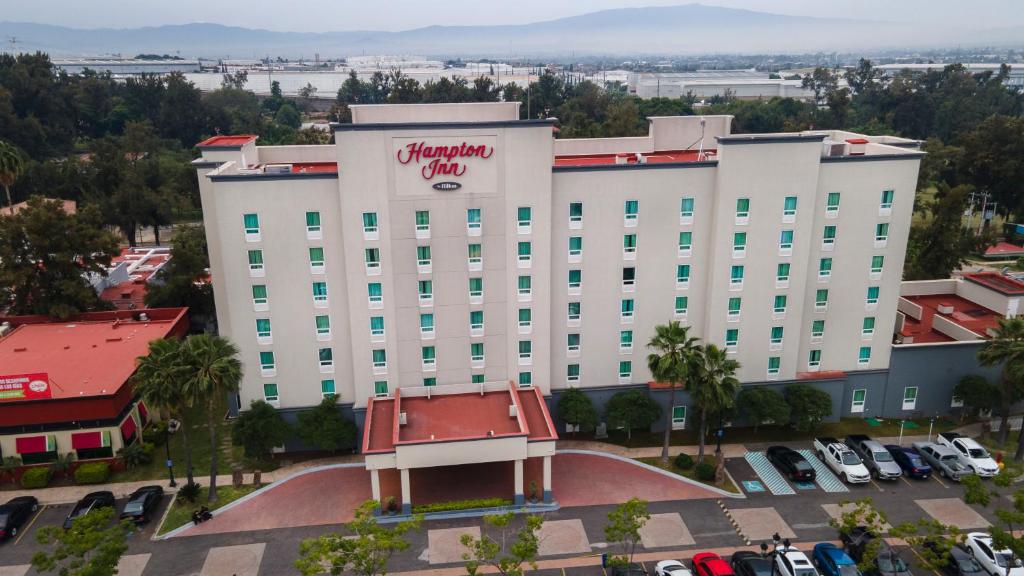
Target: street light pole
170,464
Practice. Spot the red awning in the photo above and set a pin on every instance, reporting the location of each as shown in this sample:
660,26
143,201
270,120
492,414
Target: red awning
143,413
85,440
128,428
30,444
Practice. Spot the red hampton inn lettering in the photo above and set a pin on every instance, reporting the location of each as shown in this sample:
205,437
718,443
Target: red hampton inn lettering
440,160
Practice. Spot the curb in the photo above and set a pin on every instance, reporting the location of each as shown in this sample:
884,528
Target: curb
735,525
665,473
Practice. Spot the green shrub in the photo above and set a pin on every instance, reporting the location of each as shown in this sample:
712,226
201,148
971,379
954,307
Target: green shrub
684,461
92,473
189,492
461,505
155,433
705,472
38,477
137,454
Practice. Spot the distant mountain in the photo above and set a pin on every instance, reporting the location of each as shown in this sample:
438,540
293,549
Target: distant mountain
684,29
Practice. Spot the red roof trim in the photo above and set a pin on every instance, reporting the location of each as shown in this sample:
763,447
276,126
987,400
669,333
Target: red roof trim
227,141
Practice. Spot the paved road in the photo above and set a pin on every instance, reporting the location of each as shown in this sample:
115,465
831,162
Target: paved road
802,513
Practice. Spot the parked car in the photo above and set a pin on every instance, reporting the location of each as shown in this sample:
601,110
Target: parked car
832,561
791,463
842,460
995,562
943,459
971,454
90,502
910,462
959,562
791,562
15,513
887,560
142,503
671,568
877,459
747,563
710,564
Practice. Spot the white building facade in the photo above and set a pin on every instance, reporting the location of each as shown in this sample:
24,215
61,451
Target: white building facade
456,244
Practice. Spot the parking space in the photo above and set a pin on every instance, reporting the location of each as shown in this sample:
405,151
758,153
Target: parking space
953,512
823,475
768,475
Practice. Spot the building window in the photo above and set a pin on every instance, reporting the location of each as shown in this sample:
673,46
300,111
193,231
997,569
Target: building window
575,214
780,304
887,197
625,370
575,279
678,417
742,210
814,359
525,352
574,311
681,304
685,243
476,352
625,341
824,269
881,234
476,379
832,205
629,246
372,258
682,275
572,373
428,356
473,221
323,326
422,222
782,274
732,339
252,227
860,396
524,287
263,330
786,242
316,260
327,388
789,208
739,244
426,292
423,259
369,223
524,219
734,309
876,264
872,298
270,392
475,260
686,210
572,344
909,397
426,325
430,382
380,388
626,310
868,327
319,294
628,279
864,356
774,365
575,248
313,225
828,238
525,379
820,300
777,332
525,254
375,293
476,322
326,357
259,297
377,326
476,288
267,363
380,361
525,318
632,211
256,263
736,277
817,329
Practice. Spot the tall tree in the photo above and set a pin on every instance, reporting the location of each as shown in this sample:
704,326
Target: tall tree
943,244
1006,348
364,552
762,405
577,410
631,409
714,387
12,164
212,371
160,381
45,272
325,428
673,357
259,430
181,282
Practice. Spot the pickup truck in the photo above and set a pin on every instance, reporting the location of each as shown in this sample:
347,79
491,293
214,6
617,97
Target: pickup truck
944,459
971,454
877,459
843,461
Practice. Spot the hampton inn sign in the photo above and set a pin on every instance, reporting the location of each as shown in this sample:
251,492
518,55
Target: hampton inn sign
442,160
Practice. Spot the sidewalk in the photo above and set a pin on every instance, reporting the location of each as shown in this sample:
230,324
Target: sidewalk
70,494
729,450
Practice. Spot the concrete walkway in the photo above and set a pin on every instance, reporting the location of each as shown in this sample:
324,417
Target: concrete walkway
729,450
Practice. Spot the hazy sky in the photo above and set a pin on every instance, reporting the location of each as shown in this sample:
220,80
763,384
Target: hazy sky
323,15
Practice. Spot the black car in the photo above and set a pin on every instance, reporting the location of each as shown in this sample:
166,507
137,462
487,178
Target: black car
15,513
791,463
91,501
887,560
959,562
747,563
142,503
910,462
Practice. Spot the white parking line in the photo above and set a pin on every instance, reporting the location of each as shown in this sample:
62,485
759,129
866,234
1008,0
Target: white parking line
24,529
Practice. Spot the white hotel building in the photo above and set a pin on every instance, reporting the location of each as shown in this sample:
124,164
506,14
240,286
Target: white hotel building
457,246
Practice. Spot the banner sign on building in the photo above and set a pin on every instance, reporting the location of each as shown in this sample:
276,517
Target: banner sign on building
24,387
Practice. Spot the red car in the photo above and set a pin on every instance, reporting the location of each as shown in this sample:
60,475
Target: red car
709,564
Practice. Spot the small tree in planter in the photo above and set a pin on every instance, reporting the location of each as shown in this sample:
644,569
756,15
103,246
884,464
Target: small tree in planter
624,525
390,505
534,491
491,551
576,409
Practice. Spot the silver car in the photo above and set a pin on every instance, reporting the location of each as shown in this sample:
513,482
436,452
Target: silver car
943,459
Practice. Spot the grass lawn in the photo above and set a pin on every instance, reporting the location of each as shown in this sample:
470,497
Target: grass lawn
736,435
727,485
181,511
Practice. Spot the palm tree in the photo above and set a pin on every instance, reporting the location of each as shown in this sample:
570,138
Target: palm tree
12,164
1006,347
671,362
714,387
213,371
160,382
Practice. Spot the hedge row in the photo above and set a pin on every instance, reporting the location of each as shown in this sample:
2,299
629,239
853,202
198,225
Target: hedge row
461,505
92,473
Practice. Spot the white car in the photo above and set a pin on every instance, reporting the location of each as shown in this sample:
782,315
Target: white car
671,568
971,454
842,460
995,562
791,562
